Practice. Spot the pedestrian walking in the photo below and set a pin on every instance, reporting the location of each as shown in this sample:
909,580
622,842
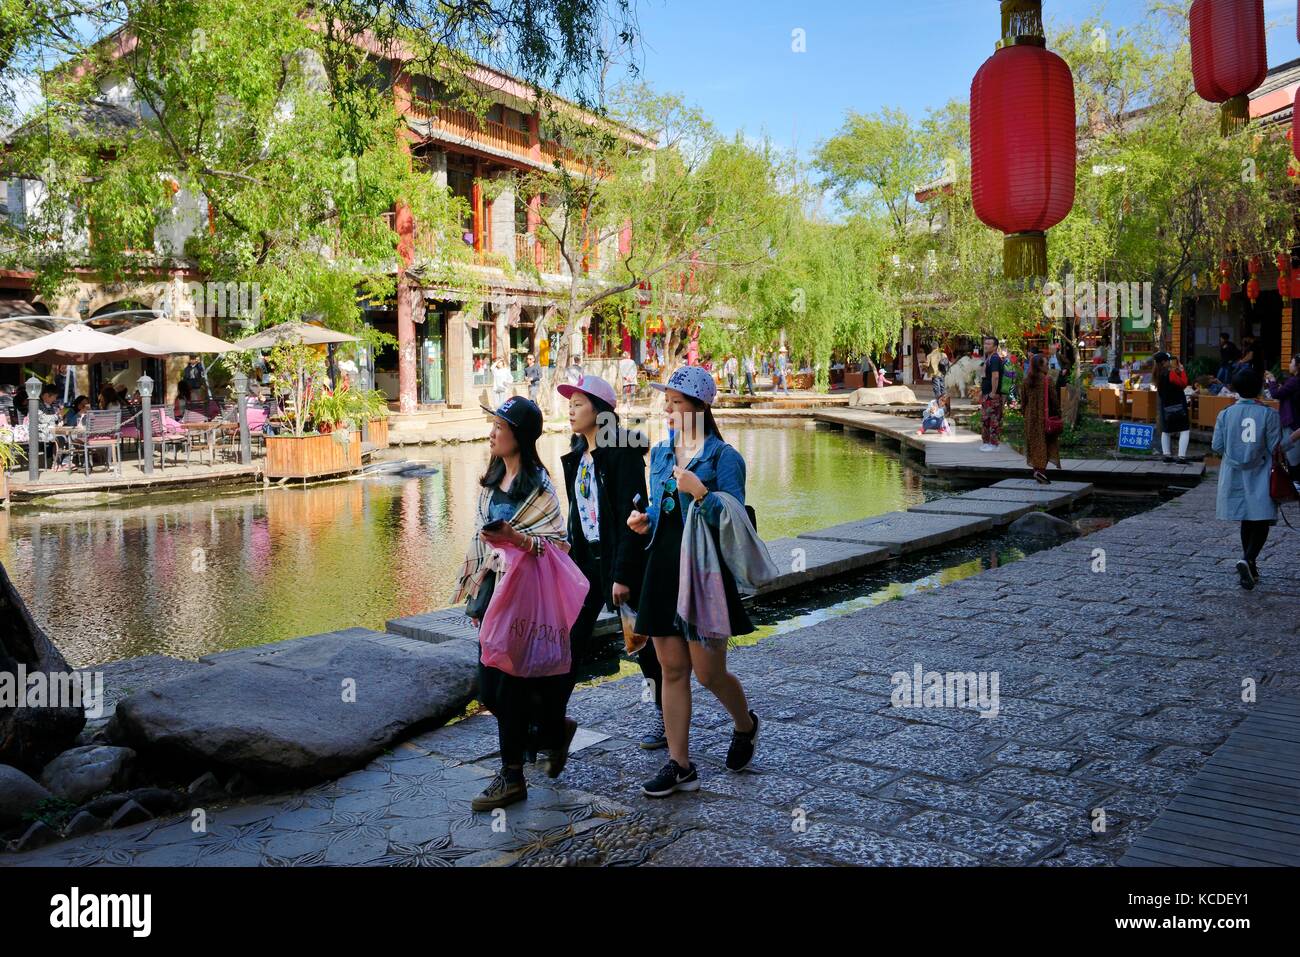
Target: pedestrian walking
1041,407
518,514
1171,406
731,368
694,468
502,381
783,371
1287,394
1245,435
533,376
627,376
604,473
991,396
749,374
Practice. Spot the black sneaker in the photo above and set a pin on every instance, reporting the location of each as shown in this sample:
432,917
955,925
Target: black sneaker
1244,573
502,791
557,757
656,737
672,778
1183,461
1168,459
741,751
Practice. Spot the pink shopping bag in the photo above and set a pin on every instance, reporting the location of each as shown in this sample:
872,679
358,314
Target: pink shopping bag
525,631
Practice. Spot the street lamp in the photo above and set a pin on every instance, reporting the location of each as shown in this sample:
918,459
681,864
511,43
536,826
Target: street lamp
33,428
241,396
145,385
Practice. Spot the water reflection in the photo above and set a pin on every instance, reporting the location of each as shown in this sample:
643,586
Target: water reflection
190,574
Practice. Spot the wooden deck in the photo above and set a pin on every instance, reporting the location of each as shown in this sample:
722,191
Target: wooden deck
958,455
1243,808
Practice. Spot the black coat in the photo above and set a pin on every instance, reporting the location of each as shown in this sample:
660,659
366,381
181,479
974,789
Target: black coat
620,477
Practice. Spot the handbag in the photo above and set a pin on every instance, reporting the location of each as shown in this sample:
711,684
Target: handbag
1281,485
1053,425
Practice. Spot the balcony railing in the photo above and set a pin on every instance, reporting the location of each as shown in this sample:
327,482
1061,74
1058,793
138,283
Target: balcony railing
468,127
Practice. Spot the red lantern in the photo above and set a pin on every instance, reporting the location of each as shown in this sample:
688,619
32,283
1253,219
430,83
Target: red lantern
1229,55
1284,286
1252,290
1256,265
1023,154
1225,292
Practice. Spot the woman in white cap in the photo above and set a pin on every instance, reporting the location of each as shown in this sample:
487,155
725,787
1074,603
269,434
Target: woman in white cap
692,464
604,473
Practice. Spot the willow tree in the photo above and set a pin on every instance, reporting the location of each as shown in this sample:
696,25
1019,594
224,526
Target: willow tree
1161,194
270,123
687,211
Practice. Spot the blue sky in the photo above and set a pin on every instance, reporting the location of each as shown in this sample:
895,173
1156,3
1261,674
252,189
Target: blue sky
733,58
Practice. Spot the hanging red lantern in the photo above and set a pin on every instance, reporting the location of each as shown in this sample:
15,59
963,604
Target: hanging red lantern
1023,152
1229,55
1225,292
1256,265
1252,290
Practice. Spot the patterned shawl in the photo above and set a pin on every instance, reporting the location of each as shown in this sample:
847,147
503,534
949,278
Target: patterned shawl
539,515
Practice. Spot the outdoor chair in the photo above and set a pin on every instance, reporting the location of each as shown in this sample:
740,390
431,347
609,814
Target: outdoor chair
103,433
208,436
162,440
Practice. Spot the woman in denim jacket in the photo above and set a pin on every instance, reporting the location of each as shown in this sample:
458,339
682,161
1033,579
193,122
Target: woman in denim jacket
686,468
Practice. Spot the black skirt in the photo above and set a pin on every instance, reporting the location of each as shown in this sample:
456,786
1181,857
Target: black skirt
657,614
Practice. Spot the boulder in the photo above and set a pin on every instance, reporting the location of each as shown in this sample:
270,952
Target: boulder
82,772
33,734
18,795
889,395
311,711
1042,525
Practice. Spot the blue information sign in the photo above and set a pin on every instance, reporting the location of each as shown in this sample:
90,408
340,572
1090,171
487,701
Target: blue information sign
1134,435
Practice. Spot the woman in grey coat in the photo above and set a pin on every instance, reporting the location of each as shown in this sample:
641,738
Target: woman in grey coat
1245,435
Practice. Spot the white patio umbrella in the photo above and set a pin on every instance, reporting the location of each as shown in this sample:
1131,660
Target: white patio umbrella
303,333
177,338
78,345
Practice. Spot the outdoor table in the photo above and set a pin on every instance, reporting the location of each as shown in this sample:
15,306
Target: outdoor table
207,432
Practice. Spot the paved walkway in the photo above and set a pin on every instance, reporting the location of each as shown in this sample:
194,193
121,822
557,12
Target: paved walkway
958,455
1121,659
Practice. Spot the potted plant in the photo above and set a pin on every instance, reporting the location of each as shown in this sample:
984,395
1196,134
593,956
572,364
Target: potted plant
298,371
11,456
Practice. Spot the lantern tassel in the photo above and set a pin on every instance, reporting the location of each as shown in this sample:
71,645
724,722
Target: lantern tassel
1022,18
1024,255
1235,115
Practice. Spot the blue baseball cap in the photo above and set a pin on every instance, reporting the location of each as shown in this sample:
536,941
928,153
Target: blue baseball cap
693,381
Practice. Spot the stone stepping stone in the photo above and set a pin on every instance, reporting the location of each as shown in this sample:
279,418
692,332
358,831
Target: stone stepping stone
817,560
903,532
1076,490
1002,513
1041,497
444,624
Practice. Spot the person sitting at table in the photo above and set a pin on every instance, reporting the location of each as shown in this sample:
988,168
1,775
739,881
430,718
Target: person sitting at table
182,400
50,404
108,397
77,412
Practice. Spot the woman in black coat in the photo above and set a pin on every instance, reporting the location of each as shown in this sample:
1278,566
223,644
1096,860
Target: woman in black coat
604,473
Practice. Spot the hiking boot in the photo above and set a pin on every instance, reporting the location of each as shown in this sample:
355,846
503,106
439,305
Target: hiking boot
741,751
503,790
657,736
1244,573
673,777
555,758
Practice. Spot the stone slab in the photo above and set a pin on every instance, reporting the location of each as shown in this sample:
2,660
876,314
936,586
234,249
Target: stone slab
444,624
1024,496
1002,513
819,559
1076,490
903,532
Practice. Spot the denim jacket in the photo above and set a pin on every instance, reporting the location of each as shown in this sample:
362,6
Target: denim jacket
719,466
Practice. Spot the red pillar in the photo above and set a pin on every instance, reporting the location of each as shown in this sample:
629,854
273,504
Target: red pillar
404,223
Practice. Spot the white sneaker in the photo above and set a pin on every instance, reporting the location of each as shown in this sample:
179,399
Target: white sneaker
988,448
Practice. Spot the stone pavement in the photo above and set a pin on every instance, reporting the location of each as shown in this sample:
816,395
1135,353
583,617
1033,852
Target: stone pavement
1121,659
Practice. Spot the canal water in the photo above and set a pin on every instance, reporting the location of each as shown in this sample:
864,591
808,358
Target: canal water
191,574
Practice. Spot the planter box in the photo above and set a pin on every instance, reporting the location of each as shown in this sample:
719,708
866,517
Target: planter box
379,433
312,456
